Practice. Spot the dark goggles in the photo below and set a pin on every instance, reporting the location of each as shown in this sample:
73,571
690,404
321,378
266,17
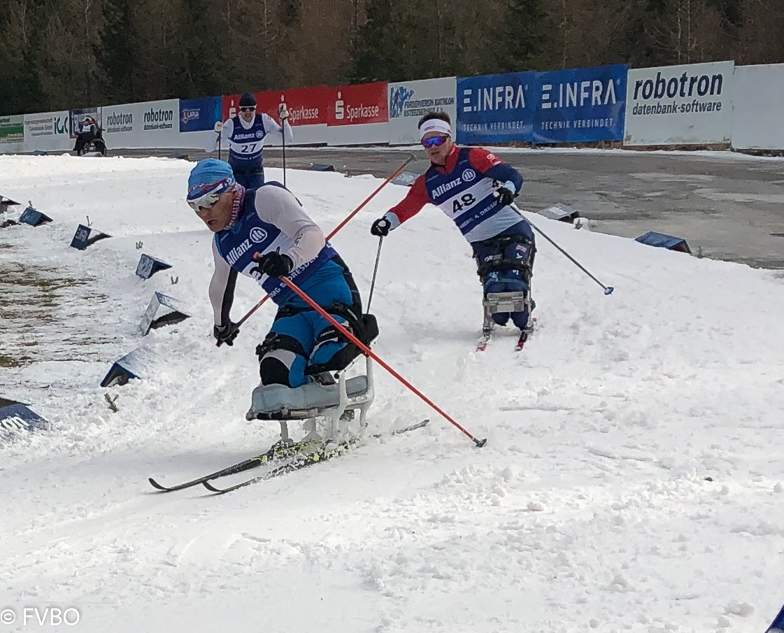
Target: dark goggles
434,141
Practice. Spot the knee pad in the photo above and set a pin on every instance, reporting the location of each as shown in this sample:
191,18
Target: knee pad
277,355
274,372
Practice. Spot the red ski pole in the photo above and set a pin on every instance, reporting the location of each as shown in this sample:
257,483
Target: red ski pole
367,352
410,158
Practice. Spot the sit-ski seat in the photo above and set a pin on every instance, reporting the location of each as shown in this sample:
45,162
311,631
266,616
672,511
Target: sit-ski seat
279,402
330,394
495,302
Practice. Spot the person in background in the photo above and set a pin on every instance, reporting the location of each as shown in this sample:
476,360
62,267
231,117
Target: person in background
246,133
475,189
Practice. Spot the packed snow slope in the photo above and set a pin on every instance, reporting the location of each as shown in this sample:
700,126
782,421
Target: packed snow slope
632,479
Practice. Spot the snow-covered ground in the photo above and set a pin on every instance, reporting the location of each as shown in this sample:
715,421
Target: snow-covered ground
632,480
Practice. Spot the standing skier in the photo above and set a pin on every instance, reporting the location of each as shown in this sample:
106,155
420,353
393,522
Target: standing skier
246,133
475,189
265,234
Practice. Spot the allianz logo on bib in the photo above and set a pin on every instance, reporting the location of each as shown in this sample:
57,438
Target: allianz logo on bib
257,235
441,189
238,251
469,175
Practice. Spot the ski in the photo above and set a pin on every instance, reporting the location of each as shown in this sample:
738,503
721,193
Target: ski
274,453
525,335
304,459
481,346
521,340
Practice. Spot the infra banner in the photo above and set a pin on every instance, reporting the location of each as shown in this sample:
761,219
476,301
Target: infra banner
679,105
199,115
581,105
410,100
496,108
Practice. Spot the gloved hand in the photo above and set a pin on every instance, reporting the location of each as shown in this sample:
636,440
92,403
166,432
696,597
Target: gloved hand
273,264
283,112
225,333
505,196
381,227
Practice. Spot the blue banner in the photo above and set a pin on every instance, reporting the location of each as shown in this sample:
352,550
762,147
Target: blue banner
496,108
198,115
581,105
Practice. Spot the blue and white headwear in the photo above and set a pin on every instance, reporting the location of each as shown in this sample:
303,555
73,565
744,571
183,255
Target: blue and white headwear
208,180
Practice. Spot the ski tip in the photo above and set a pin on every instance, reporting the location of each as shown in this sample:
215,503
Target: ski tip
155,484
210,487
480,443
608,290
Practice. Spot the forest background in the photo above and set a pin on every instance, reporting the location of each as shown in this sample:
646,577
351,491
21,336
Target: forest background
63,54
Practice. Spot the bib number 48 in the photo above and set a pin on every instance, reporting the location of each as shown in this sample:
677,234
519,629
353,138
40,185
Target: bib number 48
465,201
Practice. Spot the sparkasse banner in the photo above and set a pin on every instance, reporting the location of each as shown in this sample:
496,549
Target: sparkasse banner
307,111
358,114
581,105
148,124
496,108
410,100
679,105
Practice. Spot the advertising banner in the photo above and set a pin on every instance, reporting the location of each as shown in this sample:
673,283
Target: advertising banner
679,105
496,108
358,114
48,131
199,115
758,107
307,107
12,129
581,105
84,116
139,125
410,100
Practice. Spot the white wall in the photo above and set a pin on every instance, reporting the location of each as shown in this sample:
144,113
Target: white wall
758,107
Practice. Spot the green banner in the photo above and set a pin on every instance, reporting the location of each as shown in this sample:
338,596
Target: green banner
12,129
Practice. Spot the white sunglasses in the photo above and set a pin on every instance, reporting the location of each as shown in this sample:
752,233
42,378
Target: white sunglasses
206,201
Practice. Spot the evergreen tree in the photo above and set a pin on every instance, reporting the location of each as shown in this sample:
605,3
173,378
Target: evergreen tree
376,55
523,36
115,50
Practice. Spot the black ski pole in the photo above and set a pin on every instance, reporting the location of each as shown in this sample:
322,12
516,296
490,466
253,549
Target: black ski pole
608,290
375,271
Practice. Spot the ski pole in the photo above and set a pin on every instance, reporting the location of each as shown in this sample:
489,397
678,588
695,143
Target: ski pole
283,136
367,352
608,290
375,270
410,158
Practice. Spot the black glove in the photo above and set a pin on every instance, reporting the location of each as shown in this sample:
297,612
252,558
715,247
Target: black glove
273,264
225,333
505,197
381,227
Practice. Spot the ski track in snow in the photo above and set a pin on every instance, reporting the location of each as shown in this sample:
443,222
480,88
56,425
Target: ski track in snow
590,507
